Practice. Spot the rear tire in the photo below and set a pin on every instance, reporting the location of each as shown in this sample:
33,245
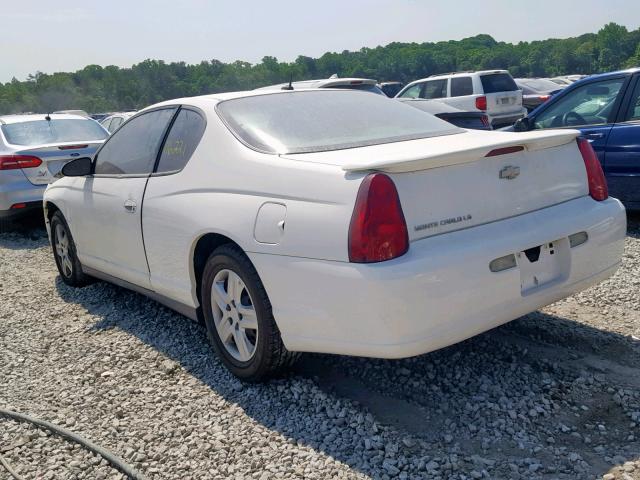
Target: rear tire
238,317
64,252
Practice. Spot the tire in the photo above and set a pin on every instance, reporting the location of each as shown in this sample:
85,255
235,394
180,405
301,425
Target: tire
230,313
64,252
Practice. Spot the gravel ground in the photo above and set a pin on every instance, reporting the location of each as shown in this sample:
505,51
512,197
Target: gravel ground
553,395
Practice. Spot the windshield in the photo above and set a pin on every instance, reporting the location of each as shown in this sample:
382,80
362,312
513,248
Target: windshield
322,120
39,132
498,82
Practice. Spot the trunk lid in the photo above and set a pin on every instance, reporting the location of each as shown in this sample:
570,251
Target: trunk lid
54,157
448,183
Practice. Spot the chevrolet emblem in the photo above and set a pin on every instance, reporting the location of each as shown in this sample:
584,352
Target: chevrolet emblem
509,172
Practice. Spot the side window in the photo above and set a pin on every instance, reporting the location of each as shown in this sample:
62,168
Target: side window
633,113
413,91
590,104
461,86
106,124
133,149
115,123
185,134
435,89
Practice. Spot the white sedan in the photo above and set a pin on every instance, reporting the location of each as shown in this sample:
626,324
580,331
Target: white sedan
333,221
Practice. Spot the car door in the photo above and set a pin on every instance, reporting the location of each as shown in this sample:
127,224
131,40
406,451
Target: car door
622,156
108,222
165,202
590,107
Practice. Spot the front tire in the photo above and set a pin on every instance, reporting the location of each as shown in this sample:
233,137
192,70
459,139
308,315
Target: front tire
64,252
238,317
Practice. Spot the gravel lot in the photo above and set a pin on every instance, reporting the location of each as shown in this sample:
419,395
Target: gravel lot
552,395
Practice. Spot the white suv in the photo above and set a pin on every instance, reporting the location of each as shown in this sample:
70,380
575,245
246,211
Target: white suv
493,92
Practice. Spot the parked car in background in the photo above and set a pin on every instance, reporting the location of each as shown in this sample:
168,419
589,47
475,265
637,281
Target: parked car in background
364,84
33,149
536,91
98,117
80,113
493,92
567,80
391,89
453,115
606,109
113,121
332,221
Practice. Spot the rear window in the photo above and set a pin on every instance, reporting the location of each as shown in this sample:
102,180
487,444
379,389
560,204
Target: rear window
498,82
39,132
322,120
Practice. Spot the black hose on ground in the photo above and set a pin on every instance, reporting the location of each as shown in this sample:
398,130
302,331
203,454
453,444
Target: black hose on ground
11,471
114,461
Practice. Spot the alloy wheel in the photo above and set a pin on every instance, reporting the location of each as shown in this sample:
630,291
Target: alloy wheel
62,249
234,315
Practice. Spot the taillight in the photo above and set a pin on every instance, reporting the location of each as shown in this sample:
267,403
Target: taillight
544,98
597,183
481,103
378,230
13,162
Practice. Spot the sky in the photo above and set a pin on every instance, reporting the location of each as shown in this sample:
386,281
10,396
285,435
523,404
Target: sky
66,35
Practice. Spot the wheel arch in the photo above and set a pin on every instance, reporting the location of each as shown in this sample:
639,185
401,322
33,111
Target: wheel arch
202,248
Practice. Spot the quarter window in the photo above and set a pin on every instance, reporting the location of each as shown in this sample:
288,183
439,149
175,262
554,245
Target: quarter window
185,134
461,86
590,104
133,149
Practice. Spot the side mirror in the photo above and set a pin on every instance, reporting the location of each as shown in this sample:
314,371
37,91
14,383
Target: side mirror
522,125
78,167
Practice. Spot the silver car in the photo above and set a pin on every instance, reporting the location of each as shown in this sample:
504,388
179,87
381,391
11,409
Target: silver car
113,121
33,149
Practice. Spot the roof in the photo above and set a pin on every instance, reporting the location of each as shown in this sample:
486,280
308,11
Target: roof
323,83
7,119
458,74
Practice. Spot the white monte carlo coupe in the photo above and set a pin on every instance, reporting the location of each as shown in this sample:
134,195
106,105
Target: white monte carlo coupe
333,221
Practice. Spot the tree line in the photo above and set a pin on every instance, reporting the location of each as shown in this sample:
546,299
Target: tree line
100,89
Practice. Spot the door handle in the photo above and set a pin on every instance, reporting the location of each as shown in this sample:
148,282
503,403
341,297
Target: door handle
593,135
130,206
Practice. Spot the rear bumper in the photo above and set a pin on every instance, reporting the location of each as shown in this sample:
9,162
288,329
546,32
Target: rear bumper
25,210
16,189
442,291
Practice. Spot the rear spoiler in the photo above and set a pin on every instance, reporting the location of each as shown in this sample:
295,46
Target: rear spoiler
451,150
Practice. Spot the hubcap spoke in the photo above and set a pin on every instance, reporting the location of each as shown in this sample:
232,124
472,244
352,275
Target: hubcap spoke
244,348
225,330
67,264
248,319
220,296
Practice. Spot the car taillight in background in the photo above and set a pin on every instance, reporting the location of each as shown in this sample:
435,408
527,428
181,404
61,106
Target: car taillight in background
14,162
378,230
544,98
481,103
597,182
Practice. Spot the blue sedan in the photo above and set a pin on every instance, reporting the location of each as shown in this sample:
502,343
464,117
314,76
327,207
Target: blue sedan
606,109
